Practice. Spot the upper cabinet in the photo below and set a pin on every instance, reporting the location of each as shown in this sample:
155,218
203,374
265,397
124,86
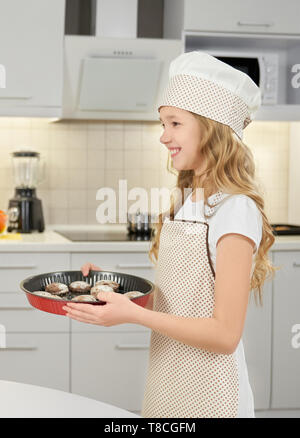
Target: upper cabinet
31,52
269,16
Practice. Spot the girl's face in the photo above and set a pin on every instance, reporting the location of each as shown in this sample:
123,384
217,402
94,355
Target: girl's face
181,136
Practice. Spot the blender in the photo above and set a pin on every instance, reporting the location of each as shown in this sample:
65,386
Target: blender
25,212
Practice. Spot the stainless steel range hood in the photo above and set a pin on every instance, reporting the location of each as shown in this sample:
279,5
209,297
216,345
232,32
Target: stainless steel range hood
115,75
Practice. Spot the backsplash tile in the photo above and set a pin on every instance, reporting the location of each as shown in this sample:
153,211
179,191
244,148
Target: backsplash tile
83,156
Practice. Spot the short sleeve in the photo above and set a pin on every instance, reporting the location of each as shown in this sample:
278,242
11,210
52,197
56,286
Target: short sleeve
239,214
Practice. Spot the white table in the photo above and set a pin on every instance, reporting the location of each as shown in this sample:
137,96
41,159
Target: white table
20,400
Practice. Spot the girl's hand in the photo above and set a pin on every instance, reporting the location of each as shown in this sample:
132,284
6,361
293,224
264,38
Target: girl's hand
118,310
85,269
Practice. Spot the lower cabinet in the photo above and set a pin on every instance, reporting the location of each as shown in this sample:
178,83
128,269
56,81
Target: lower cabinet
110,367
286,332
36,358
133,263
257,340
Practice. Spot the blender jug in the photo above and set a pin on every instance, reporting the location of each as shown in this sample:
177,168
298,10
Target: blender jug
25,209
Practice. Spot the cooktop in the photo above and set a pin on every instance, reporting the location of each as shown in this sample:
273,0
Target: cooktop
285,230
101,236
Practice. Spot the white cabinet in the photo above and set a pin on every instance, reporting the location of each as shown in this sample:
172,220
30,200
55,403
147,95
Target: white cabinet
36,358
111,367
31,51
16,266
269,16
257,340
286,332
37,343
133,263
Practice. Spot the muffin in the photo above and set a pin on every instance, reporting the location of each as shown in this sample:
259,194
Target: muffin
84,298
80,287
100,288
113,284
42,293
57,288
133,294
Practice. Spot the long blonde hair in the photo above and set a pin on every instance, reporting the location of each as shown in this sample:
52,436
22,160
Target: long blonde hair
230,168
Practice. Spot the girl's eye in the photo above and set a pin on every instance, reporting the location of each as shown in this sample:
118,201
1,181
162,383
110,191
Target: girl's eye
175,123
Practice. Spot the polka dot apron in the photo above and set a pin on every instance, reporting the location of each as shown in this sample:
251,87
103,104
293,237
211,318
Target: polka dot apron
184,381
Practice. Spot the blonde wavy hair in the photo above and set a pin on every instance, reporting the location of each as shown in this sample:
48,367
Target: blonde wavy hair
230,168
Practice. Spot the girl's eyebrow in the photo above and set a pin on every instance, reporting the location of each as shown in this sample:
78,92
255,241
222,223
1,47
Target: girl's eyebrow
169,117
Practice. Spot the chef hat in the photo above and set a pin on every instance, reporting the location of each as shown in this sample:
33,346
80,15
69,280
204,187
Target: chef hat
204,85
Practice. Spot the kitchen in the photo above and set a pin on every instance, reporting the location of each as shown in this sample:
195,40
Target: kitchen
84,147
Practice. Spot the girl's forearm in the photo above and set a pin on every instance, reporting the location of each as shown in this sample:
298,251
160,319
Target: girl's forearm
205,333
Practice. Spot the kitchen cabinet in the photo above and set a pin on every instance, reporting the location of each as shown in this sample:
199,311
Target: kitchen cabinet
269,16
257,340
130,263
36,358
110,367
31,51
16,266
286,332
37,343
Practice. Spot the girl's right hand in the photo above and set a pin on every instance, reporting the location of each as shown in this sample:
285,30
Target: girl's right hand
85,269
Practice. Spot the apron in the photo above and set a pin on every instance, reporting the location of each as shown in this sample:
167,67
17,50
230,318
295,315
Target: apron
184,381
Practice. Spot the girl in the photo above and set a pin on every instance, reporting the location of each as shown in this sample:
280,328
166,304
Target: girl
210,252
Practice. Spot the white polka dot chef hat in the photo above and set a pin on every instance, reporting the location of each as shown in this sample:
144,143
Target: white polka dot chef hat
204,85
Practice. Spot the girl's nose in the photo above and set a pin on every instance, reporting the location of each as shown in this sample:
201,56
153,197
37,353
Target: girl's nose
165,137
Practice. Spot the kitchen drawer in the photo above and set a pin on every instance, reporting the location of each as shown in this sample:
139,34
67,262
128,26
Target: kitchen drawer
15,267
17,315
129,263
111,368
37,359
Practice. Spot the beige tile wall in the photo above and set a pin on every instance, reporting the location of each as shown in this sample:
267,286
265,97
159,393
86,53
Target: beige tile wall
82,157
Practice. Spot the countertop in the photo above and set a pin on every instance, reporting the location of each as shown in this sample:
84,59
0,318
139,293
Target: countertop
51,241
20,400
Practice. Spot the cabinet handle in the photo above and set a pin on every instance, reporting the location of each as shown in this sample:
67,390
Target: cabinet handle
132,265
245,23
132,347
18,97
16,308
18,267
18,348
296,265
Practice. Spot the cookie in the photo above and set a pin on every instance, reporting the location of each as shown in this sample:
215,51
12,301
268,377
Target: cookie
113,284
57,288
42,293
80,287
84,298
100,288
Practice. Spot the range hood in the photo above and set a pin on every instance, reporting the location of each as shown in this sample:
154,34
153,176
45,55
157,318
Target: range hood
119,84
114,75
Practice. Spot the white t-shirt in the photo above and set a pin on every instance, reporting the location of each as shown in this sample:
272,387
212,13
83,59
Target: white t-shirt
240,215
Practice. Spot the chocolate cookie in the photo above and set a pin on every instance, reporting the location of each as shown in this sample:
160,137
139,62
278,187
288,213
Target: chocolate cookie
100,288
113,284
84,298
57,288
80,287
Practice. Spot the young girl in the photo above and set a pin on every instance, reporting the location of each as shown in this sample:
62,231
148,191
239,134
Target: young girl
210,252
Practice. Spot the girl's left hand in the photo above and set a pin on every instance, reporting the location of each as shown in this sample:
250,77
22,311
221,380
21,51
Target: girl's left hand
117,310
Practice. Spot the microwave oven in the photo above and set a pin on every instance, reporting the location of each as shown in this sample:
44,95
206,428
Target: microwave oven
263,69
